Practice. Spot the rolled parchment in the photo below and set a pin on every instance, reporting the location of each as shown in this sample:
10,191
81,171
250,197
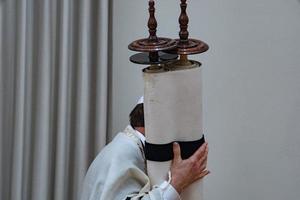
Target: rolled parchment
173,112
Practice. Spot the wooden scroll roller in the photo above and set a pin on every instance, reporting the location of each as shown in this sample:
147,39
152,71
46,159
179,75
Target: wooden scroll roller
152,46
173,109
184,45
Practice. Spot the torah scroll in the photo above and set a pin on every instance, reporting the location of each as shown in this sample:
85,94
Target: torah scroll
173,112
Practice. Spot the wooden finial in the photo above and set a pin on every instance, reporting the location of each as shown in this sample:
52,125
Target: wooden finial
186,45
152,46
152,23
183,21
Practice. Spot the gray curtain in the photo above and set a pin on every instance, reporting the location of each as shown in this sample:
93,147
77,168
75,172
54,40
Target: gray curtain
53,95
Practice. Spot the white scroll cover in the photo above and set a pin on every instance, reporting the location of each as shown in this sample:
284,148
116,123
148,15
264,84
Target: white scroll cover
173,112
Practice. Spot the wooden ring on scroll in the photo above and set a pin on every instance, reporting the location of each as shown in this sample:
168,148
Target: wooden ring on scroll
145,58
147,45
191,46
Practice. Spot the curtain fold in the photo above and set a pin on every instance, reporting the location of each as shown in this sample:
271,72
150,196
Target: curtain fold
54,61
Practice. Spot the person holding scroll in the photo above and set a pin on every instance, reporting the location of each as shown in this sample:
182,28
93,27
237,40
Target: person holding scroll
119,171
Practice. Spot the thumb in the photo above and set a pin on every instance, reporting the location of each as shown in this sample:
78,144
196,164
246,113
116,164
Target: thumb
176,152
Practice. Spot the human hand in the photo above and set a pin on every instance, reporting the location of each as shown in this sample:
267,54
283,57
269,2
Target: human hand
185,172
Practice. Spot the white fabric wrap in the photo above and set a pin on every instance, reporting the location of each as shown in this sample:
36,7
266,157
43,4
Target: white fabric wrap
173,112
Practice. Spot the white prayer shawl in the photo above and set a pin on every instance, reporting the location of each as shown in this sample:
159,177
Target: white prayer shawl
119,171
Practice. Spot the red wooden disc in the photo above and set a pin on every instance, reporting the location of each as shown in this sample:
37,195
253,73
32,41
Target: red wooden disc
147,45
191,46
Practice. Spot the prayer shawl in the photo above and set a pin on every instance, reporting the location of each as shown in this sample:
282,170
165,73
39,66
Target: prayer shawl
119,172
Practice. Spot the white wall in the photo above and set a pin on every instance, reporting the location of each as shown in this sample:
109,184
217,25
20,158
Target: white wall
251,89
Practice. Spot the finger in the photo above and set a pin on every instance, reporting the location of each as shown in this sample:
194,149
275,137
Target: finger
200,151
176,152
203,174
203,157
203,165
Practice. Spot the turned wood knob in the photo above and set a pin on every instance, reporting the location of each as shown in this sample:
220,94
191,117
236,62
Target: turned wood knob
183,21
152,23
152,45
186,45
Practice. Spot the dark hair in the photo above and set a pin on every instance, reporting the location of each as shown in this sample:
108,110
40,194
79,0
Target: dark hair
136,117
